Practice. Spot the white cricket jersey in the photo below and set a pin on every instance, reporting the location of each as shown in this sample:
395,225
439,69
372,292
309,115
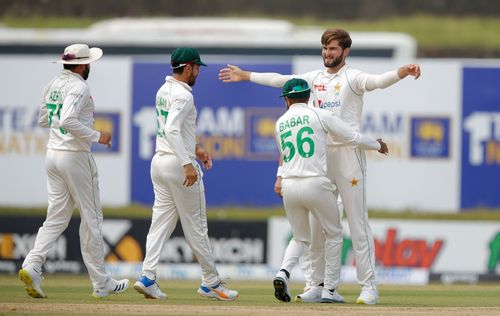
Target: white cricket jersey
302,133
176,116
67,109
341,93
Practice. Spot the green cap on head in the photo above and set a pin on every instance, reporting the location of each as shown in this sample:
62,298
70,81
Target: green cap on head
296,89
185,55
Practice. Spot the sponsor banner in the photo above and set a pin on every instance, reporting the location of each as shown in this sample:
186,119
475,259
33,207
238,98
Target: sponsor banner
108,122
480,138
437,246
430,137
23,143
235,124
125,240
470,278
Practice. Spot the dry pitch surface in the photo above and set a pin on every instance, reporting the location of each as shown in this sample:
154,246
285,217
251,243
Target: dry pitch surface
70,295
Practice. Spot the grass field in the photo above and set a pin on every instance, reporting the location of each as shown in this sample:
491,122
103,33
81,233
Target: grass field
262,214
430,31
71,295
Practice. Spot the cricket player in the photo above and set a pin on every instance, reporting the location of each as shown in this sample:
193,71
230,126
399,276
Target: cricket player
177,180
339,89
301,134
67,109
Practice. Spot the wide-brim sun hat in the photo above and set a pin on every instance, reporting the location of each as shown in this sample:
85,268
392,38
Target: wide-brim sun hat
79,54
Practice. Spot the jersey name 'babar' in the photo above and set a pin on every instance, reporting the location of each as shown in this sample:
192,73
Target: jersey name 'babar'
294,121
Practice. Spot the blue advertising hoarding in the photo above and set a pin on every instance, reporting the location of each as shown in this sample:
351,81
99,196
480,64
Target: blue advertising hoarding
235,124
430,137
109,122
480,138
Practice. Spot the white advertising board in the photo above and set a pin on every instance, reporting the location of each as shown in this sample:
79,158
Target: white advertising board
421,120
438,246
22,142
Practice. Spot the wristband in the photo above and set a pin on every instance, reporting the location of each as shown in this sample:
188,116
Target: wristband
279,173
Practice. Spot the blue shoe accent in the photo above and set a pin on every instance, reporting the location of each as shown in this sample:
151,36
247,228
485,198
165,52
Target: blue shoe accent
147,282
204,289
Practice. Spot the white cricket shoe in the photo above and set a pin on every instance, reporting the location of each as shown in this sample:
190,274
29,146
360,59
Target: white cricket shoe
149,288
311,295
368,296
112,287
331,296
218,292
32,280
281,291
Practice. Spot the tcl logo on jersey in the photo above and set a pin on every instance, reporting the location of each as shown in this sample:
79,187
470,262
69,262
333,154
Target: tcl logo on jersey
319,87
391,252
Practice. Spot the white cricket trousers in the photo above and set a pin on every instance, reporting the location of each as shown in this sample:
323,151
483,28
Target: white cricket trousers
72,180
314,195
174,201
346,168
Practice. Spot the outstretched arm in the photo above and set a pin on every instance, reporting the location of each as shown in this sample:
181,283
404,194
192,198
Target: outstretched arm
389,78
235,74
410,69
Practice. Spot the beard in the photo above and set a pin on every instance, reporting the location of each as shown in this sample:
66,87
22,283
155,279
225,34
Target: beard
337,61
191,81
85,74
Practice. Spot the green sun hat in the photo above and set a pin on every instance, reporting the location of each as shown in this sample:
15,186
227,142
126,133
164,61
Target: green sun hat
185,55
296,89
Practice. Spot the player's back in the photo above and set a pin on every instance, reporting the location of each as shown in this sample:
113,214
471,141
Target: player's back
71,90
301,139
173,98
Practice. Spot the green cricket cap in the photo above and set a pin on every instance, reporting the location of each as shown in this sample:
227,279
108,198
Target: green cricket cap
185,55
296,89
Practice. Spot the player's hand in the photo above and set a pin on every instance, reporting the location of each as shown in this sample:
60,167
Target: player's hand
277,187
233,74
410,69
204,156
190,175
383,147
105,139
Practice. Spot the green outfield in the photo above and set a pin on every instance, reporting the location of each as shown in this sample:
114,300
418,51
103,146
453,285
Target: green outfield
431,32
72,295
262,214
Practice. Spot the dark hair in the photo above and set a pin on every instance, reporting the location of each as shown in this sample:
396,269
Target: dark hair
299,100
70,67
342,36
179,70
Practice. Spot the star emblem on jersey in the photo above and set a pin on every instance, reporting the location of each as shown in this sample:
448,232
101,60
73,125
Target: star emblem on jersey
337,88
354,182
